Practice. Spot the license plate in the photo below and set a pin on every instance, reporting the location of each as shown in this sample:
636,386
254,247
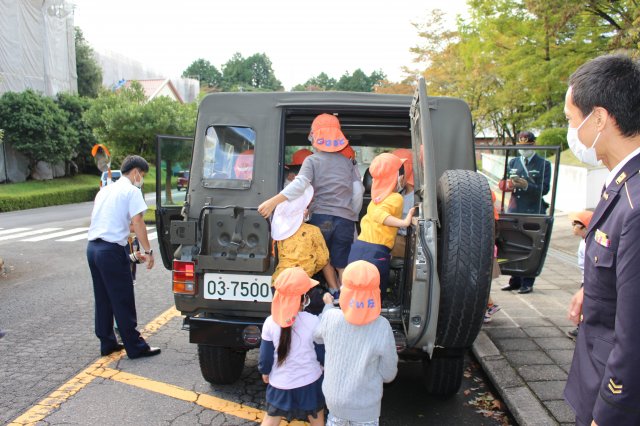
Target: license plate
249,288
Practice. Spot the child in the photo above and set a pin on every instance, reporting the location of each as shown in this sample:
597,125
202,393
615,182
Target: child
290,362
332,176
298,243
360,349
379,226
580,221
407,197
291,170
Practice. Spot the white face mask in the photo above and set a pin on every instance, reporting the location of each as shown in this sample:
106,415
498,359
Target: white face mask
580,150
138,184
526,153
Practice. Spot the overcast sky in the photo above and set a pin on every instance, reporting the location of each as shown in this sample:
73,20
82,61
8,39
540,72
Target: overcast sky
301,38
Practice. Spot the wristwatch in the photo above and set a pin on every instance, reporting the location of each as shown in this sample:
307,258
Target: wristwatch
150,252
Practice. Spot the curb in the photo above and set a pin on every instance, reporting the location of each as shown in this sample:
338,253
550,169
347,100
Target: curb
521,401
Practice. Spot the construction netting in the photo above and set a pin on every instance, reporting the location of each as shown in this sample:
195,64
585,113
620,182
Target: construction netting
37,47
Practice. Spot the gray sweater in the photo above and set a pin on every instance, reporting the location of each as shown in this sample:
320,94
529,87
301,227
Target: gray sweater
358,359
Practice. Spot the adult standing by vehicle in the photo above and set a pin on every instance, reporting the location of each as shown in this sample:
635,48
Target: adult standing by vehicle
530,178
115,207
603,106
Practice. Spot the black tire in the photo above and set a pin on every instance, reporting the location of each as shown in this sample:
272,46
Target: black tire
220,366
465,251
443,376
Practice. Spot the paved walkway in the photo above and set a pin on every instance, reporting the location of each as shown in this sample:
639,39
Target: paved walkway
524,349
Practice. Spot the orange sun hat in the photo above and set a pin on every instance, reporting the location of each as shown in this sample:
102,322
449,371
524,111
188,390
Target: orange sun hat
243,167
326,134
384,171
298,157
360,293
584,217
290,285
407,155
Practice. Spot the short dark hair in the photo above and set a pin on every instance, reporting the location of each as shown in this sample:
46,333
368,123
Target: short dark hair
527,135
134,162
613,83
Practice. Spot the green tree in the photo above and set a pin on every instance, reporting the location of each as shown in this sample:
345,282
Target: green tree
359,81
75,106
205,72
127,124
89,72
248,74
37,127
321,82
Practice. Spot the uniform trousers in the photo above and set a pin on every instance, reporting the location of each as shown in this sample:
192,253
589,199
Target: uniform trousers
113,292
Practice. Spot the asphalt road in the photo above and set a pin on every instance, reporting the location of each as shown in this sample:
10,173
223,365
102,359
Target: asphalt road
46,308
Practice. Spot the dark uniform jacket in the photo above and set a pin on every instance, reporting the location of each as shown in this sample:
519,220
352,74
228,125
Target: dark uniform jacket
604,381
538,175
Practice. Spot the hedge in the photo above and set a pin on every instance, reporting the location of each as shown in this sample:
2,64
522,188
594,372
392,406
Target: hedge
46,198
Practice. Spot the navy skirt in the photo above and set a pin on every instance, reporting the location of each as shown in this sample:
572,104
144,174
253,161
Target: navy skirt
298,403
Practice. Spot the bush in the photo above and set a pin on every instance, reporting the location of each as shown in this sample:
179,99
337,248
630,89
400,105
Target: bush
32,200
553,137
34,125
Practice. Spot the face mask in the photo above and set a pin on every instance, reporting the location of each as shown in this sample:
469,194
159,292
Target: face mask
138,184
526,152
582,153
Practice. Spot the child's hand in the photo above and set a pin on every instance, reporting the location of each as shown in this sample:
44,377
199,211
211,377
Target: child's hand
407,220
265,378
141,256
327,299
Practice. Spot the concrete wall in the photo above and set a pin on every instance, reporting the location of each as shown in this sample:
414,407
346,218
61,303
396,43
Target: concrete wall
578,187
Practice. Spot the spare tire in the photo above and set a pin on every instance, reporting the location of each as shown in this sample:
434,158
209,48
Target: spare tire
465,251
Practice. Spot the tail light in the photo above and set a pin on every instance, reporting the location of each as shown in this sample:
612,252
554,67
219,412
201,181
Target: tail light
184,277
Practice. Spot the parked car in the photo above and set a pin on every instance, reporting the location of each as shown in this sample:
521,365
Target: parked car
219,248
104,179
183,180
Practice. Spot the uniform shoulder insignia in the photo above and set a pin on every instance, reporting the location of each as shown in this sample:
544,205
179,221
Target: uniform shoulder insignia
615,388
621,177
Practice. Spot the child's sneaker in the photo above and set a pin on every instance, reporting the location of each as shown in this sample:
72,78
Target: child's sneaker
493,309
573,334
487,318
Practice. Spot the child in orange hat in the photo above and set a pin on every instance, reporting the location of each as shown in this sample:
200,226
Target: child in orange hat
379,226
291,170
360,348
290,362
407,197
332,176
580,222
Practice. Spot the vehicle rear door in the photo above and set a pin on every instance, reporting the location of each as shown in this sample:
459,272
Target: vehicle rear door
525,215
173,154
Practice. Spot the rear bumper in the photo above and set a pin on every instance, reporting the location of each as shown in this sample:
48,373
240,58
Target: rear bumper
226,333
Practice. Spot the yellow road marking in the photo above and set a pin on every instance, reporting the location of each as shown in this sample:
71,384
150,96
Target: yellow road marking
100,369
43,408
204,400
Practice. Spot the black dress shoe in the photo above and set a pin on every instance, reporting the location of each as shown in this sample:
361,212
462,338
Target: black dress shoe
510,287
116,348
525,290
149,352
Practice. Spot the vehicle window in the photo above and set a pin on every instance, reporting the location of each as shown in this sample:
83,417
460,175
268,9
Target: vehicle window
522,180
229,153
172,169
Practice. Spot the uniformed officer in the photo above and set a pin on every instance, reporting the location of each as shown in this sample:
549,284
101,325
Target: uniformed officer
603,109
115,207
530,178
